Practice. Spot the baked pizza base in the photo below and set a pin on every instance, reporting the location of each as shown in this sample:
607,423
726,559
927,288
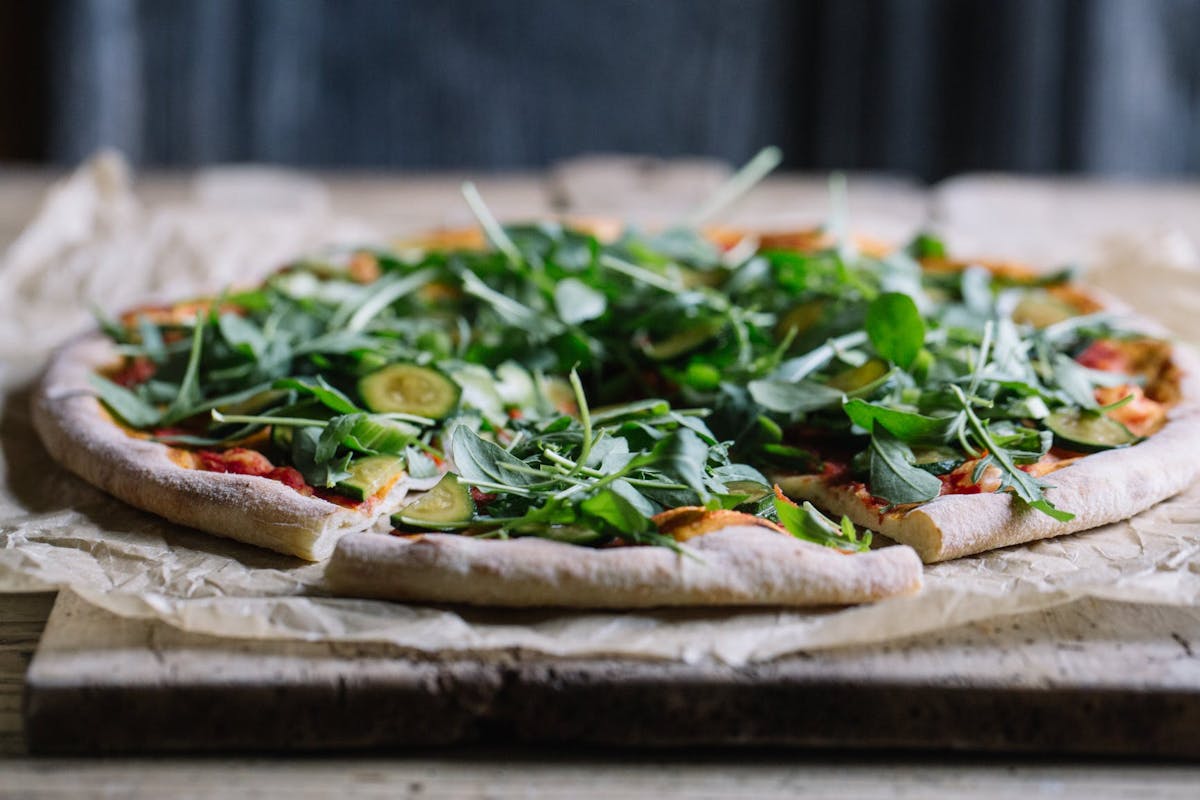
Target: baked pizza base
735,566
1099,489
80,434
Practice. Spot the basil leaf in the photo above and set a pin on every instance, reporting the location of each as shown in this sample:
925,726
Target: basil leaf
895,328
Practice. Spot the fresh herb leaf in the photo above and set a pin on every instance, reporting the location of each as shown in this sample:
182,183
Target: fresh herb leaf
893,474
807,523
132,410
895,328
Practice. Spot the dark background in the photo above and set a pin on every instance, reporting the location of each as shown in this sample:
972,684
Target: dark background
927,87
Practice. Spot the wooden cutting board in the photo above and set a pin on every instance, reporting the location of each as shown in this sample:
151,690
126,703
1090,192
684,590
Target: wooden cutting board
1089,677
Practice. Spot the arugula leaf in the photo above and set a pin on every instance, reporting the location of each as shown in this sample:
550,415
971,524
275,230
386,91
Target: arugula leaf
242,335
151,341
807,523
132,410
906,425
893,475
1024,485
333,433
189,388
306,443
895,328
609,512
419,465
319,388
681,455
577,302
793,398
482,462
926,245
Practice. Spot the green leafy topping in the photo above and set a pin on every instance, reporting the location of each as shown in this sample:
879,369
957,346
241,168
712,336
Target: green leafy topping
806,522
606,381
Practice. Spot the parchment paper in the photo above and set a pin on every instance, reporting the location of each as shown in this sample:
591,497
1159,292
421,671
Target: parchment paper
93,243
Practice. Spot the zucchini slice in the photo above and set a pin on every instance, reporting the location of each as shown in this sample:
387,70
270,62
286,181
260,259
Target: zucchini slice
1079,429
409,389
447,502
370,475
937,460
1042,309
855,378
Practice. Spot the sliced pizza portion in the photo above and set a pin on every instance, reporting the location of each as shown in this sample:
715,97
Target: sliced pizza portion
1033,408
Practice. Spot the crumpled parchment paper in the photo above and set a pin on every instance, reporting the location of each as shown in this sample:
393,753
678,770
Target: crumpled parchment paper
93,243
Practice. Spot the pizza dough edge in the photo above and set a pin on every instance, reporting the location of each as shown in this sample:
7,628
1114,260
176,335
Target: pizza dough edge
735,566
79,434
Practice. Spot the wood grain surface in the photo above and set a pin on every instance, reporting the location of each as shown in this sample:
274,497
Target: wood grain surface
1089,677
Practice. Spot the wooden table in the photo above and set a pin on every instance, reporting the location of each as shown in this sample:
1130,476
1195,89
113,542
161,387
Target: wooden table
544,770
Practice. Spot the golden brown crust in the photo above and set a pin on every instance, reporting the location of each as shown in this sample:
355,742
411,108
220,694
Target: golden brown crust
735,566
79,434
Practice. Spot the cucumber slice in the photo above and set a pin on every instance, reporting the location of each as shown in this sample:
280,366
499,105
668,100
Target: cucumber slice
370,475
384,435
684,341
1077,429
447,502
409,389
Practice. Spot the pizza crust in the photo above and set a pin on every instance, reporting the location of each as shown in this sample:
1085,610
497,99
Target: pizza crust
1099,489
79,433
736,566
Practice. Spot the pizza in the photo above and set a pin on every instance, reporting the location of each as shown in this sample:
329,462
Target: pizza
563,415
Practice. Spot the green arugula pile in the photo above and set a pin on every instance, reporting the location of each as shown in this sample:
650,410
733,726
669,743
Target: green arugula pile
774,358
